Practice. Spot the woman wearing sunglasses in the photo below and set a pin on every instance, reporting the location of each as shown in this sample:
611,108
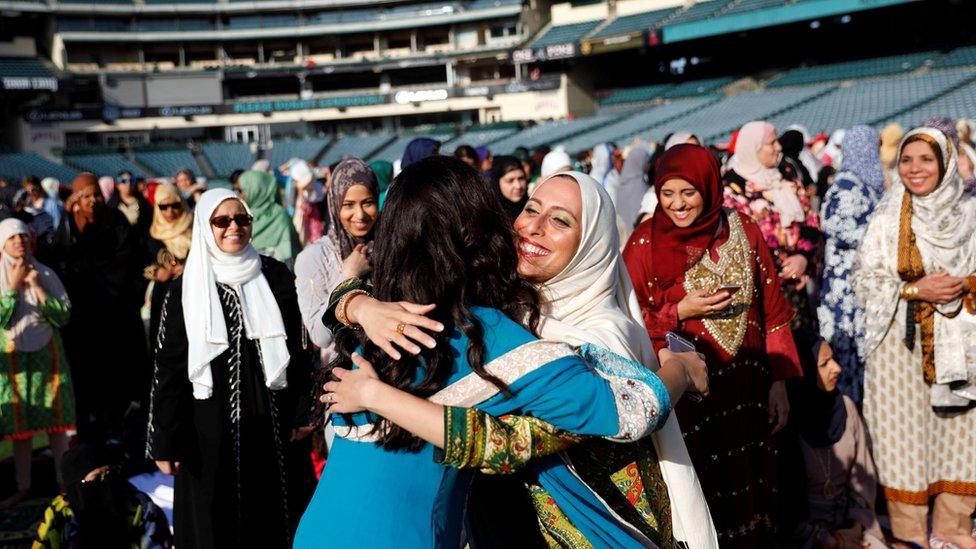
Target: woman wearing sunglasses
171,231
230,388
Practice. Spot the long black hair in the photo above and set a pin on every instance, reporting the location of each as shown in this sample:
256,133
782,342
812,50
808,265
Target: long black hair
443,238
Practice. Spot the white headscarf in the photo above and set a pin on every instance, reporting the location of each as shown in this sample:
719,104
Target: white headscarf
27,329
206,331
678,138
557,160
943,222
601,165
769,181
592,301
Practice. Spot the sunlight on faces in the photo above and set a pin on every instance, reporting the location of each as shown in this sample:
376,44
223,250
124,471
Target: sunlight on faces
828,369
513,185
184,181
17,245
918,167
770,151
549,230
88,198
358,211
681,201
172,212
234,238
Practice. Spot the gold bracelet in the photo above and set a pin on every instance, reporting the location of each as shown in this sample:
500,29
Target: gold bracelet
909,291
340,311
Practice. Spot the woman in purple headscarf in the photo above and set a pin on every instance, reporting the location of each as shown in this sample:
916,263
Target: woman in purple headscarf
418,149
846,210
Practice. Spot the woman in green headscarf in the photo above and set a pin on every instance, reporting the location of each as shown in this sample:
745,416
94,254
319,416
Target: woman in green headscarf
273,233
384,174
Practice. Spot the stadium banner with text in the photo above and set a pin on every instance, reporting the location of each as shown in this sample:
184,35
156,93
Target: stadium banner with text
545,53
631,40
403,97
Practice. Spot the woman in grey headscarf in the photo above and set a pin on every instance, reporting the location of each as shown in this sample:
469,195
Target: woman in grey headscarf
353,202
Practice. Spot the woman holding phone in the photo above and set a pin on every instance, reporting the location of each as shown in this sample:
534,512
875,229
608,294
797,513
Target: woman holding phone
705,274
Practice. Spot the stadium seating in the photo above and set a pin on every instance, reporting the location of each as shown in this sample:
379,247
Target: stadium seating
853,69
637,123
357,146
720,119
699,11
394,150
262,21
958,57
635,95
15,166
697,87
479,137
743,6
565,33
637,22
960,103
224,158
871,101
167,163
23,66
306,149
550,133
103,164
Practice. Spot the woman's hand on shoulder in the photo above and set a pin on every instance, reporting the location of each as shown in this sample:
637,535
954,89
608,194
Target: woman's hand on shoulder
168,467
399,323
702,303
353,390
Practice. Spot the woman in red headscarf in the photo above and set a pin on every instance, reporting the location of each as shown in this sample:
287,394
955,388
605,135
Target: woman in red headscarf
706,274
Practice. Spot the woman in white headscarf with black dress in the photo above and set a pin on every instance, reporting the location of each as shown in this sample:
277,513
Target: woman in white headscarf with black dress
229,390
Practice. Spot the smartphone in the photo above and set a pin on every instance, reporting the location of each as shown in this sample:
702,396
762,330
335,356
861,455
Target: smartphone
678,344
731,288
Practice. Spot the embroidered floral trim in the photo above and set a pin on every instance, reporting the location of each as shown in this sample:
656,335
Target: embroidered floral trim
472,389
734,267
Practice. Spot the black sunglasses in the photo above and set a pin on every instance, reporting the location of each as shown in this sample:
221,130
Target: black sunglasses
174,206
223,221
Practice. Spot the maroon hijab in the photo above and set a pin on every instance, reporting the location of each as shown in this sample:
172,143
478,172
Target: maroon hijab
676,249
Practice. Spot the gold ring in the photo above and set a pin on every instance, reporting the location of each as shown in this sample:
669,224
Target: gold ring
400,327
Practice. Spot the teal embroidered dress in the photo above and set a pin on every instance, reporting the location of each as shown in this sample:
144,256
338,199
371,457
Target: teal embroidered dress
371,497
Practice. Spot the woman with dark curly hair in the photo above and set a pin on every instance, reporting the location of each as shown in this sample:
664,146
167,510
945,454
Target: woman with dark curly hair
483,357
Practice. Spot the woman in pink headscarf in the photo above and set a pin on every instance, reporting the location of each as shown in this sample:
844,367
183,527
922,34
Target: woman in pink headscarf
755,187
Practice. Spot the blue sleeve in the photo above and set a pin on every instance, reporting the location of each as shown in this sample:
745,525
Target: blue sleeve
565,393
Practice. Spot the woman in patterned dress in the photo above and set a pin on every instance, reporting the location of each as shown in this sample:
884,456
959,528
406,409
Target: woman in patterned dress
35,382
914,276
705,273
229,394
780,207
590,304
847,208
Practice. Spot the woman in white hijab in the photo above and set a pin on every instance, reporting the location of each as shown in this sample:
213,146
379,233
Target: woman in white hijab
230,388
915,277
35,381
591,305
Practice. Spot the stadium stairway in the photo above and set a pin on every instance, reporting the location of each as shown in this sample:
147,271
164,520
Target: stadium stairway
202,161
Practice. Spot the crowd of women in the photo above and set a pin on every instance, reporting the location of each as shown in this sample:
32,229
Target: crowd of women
658,345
